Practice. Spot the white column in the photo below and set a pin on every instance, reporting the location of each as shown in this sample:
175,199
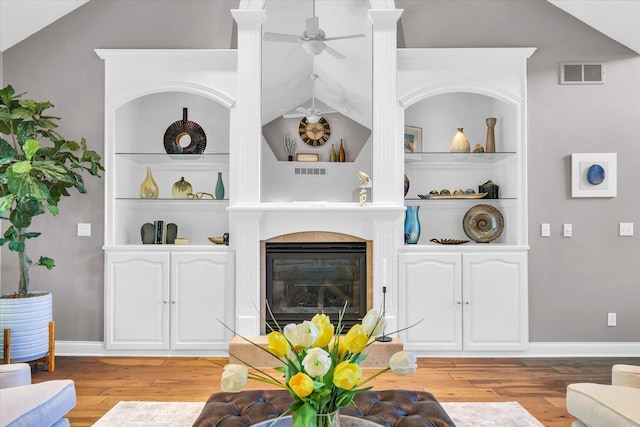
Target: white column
388,158
244,162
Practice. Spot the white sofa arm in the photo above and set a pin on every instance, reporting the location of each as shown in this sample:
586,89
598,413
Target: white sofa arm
14,375
625,375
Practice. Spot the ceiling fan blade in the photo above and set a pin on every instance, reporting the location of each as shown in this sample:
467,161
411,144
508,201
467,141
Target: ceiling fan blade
352,36
277,37
312,25
333,52
303,110
293,116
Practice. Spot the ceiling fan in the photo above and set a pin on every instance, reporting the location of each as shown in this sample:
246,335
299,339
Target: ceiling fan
312,114
313,38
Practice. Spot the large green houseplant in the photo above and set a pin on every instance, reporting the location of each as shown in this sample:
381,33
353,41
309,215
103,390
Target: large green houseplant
37,168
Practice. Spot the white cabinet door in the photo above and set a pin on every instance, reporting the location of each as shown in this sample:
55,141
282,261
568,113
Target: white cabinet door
201,298
430,291
495,301
136,301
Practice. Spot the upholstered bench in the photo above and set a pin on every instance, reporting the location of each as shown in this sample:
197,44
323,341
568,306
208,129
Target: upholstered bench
390,408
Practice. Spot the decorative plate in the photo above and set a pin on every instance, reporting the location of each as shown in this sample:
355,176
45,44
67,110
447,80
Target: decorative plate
449,241
483,223
182,128
452,196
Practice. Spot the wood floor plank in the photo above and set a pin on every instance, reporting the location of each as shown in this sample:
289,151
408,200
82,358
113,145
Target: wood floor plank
538,384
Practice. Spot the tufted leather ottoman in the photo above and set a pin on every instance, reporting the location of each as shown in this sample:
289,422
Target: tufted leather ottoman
390,408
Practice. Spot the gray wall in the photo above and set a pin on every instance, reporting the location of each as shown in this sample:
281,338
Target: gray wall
573,282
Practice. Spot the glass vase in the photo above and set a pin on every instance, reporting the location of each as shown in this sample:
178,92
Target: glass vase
219,192
412,225
328,420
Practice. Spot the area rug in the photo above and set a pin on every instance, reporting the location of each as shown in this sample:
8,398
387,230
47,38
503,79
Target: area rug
178,414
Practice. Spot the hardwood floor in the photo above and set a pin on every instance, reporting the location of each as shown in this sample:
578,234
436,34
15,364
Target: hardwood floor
537,384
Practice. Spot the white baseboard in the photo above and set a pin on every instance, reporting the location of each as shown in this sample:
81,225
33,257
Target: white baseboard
535,349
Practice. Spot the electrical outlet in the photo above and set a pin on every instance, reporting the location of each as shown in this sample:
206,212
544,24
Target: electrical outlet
84,229
611,319
545,230
567,230
626,229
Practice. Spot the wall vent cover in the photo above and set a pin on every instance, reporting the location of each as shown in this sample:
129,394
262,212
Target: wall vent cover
310,171
576,73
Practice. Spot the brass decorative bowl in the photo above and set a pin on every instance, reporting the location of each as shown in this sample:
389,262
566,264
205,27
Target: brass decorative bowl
217,240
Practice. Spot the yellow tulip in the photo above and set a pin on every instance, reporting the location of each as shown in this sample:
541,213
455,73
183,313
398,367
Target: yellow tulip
277,344
356,339
325,330
301,384
347,375
341,348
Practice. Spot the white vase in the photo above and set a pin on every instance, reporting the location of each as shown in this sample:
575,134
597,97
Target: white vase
28,319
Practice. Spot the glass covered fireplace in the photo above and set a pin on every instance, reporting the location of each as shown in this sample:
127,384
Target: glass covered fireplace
303,279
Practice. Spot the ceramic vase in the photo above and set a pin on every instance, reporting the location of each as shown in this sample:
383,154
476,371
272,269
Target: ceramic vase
332,154
149,189
219,193
460,143
490,146
181,189
341,154
412,225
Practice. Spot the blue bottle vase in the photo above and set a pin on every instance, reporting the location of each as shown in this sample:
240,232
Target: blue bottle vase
219,193
411,225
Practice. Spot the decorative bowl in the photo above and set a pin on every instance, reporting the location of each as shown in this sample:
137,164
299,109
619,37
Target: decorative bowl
217,240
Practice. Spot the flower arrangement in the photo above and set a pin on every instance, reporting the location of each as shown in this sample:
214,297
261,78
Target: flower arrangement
321,366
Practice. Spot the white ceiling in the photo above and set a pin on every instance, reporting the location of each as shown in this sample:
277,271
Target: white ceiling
618,19
21,18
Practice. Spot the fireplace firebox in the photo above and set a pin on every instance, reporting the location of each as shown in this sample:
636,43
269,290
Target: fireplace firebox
303,279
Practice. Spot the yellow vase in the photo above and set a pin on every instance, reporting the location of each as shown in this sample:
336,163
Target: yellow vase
460,143
149,189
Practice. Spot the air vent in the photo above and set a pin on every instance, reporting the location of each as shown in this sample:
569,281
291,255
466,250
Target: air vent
581,73
310,171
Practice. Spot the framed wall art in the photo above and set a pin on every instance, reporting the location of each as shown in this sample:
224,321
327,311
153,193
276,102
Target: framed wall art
594,174
412,139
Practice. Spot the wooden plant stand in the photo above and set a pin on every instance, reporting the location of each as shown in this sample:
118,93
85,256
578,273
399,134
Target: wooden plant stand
49,359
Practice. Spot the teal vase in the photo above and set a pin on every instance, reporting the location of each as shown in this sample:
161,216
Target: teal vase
412,225
219,193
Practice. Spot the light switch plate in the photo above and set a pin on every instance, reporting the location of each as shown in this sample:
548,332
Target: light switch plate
545,230
84,229
567,230
626,229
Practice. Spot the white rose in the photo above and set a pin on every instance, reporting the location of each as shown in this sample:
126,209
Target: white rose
234,377
317,362
373,324
301,335
403,363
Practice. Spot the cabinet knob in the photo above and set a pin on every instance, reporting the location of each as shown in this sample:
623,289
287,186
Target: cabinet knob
466,302
165,302
459,302
173,302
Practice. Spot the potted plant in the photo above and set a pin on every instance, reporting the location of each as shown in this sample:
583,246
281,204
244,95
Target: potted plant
37,168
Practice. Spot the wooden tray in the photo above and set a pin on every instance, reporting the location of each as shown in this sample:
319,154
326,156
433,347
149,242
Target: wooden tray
452,196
